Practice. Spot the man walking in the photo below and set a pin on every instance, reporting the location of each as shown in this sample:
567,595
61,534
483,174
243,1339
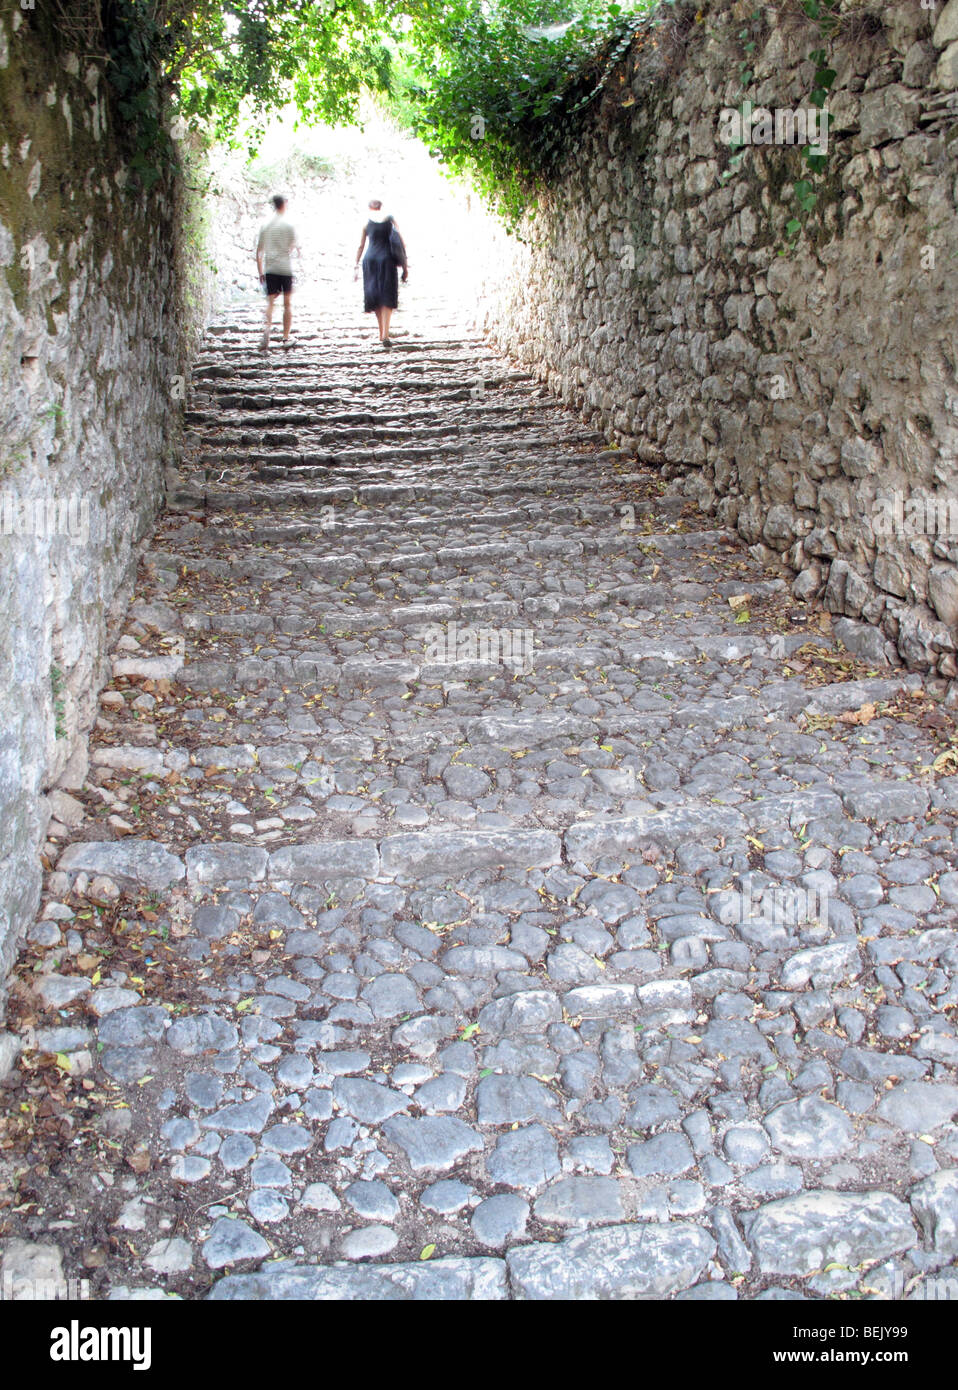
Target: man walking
276,241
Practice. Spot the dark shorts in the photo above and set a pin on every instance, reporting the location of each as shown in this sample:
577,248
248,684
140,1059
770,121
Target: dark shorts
278,284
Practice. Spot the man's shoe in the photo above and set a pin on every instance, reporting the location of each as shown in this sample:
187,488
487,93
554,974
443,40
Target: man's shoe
387,342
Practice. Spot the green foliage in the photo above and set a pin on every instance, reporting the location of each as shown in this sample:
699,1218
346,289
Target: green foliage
59,706
221,66
136,38
500,90
825,13
253,58
496,87
135,42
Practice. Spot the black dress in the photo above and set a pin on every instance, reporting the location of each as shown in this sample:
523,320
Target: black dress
380,272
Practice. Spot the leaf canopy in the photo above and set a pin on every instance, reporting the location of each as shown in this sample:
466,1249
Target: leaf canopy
495,87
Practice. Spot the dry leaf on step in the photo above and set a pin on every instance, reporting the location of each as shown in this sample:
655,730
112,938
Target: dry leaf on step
864,715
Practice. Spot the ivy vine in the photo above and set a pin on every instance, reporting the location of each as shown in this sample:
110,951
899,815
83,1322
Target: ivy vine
824,12
804,193
502,92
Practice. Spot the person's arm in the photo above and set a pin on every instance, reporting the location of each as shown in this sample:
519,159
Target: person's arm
359,255
259,258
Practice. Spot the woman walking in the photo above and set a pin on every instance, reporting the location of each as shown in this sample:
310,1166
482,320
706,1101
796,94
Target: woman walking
385,254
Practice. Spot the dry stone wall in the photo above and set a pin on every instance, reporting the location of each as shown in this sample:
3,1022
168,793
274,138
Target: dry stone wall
93,341
807,398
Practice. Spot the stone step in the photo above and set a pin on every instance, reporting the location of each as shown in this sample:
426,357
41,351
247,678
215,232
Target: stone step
371,434
195,492
611,642
501,395
440,383
384,459
521,730
153,866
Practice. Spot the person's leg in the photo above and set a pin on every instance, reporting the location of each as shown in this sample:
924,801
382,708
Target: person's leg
287,313
379,320
387,315
270,301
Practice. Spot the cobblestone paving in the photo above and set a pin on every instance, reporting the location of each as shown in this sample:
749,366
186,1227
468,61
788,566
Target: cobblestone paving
624,966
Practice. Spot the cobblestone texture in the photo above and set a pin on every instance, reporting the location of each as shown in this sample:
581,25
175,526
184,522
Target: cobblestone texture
625,974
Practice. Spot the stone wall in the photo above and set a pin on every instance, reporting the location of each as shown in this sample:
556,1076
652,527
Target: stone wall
807,398
93,335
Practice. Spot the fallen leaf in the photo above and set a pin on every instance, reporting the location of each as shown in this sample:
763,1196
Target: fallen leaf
864,715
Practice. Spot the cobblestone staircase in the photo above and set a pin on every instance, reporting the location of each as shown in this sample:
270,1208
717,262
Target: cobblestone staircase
489,882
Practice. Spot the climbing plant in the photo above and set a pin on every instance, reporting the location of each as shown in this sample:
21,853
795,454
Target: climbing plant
804,193
500,90
824,12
